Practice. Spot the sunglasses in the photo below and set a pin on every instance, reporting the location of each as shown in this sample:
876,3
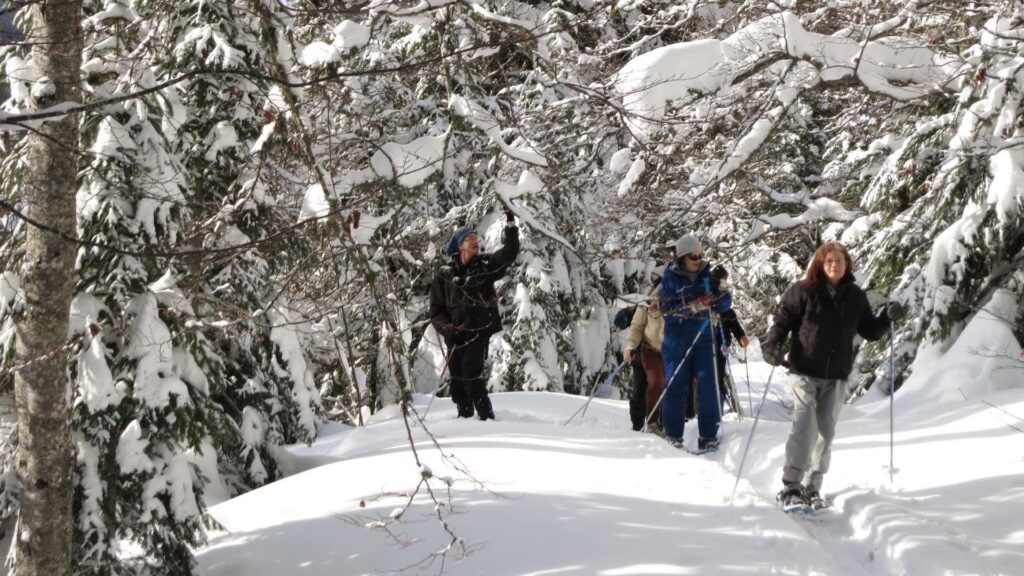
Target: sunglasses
696,258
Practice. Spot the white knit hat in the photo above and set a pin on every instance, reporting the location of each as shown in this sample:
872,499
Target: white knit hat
687,244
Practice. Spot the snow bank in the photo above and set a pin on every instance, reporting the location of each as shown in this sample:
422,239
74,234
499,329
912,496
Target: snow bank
633,504
984,358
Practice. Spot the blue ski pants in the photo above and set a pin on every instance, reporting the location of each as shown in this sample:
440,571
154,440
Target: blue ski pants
698,366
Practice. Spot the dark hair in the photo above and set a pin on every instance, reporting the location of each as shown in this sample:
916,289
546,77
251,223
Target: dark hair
624,317
816,271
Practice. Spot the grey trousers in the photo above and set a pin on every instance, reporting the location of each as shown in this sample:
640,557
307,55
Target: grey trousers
817,403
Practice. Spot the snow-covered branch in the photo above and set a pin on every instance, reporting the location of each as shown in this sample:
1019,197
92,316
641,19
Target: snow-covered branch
900,68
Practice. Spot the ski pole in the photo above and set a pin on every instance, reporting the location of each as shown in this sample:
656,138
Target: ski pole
583,408
731,387
714,353
892,395
673,378
750,438
750,393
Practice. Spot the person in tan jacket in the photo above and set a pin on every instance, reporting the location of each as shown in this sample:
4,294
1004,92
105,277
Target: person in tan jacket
646,332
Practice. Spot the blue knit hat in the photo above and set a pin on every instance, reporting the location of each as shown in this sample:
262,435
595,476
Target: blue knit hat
453,245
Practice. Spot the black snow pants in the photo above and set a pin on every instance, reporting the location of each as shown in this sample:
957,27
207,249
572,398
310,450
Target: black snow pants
468,388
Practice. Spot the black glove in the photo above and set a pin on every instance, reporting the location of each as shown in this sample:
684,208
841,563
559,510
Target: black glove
510,216
773,354
895,310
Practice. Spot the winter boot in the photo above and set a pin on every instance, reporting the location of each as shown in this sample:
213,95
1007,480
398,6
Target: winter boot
465,410
675,442
792,499
707,445
656,429
484,409
814,500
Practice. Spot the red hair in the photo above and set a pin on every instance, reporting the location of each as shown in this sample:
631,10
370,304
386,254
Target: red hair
816,271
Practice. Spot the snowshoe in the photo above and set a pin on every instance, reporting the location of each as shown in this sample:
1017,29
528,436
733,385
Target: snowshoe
792,501
484,409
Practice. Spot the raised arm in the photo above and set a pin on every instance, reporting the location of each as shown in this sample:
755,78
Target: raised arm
509,251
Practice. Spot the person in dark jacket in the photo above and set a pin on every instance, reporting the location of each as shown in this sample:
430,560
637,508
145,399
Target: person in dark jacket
728,330
637,395
687,297
464,310
823,312
643,347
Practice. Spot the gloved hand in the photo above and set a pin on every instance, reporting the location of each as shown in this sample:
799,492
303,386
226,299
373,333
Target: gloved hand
773,354
700,304
629,355
510,216
895,310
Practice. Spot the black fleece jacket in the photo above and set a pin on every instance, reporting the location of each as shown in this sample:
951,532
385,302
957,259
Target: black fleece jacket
824,326
463,302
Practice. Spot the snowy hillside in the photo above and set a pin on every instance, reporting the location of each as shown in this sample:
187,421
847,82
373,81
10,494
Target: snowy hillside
531,496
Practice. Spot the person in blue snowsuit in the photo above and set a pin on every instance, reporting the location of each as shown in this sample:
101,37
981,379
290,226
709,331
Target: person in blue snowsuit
688,297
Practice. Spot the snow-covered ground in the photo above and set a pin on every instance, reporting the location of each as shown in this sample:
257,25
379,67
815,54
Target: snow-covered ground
531,496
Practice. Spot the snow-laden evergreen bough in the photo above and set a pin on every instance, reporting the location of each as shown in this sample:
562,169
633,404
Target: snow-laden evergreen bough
891,137
182,385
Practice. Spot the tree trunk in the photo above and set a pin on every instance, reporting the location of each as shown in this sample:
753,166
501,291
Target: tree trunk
43,543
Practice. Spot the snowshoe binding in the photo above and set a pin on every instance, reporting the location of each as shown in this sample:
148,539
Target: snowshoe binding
705,445
792,500
816,501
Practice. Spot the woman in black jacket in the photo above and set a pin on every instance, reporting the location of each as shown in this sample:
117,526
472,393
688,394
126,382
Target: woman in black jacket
824,312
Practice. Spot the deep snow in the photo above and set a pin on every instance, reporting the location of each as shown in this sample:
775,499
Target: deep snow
531,496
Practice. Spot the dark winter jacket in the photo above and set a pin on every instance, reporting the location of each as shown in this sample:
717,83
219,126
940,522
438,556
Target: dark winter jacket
463,302
824,327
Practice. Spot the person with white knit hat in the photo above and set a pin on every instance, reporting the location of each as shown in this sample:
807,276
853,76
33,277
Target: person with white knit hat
688,297
688,244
